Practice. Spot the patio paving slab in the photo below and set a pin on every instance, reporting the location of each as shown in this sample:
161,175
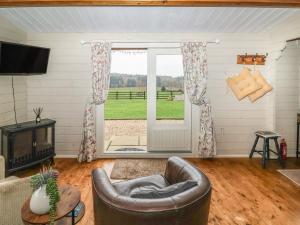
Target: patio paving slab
143,140
124,140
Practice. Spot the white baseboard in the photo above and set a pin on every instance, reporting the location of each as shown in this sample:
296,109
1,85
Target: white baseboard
233,156
152,156
158,155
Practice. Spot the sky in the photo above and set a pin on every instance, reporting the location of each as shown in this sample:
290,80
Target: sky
136,63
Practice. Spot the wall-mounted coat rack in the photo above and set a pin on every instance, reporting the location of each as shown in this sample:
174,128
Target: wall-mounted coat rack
252,59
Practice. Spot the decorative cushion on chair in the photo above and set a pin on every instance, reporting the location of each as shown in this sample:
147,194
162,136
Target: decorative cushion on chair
125,187
266,87
243,84
152,192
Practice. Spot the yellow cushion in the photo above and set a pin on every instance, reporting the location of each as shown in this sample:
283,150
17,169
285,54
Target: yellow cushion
266,87
243,84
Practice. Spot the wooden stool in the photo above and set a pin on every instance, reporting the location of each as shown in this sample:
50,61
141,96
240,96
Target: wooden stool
265,153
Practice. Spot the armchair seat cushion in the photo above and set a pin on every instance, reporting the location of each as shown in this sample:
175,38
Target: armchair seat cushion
126,187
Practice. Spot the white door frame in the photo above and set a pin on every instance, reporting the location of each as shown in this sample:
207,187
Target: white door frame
100,120
152,126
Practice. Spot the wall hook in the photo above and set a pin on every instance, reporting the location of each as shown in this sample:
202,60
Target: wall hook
251,59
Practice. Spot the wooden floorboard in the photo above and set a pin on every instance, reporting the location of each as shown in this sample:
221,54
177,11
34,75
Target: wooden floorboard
243,193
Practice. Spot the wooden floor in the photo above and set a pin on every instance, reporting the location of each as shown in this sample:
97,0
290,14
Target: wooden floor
243,193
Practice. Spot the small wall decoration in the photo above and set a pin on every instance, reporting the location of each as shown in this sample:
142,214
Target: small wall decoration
38,111
248,84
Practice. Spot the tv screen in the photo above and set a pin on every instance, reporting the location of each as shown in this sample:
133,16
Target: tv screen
23,59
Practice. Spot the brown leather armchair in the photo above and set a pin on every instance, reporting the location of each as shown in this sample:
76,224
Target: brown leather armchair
114,206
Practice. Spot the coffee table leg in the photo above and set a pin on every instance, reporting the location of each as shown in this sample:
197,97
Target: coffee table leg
73,217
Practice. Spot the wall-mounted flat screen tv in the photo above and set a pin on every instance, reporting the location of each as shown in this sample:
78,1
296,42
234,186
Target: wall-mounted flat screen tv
18,59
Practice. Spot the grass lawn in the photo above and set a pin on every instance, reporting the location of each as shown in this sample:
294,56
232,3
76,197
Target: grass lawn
137,109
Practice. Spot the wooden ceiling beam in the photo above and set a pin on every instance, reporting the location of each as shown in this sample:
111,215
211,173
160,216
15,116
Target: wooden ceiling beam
213,3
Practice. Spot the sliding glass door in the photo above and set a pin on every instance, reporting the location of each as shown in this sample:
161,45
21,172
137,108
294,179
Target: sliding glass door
147,109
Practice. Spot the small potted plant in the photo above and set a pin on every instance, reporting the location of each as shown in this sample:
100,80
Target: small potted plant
45,193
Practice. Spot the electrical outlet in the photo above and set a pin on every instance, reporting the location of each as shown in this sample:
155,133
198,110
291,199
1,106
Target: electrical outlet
222,131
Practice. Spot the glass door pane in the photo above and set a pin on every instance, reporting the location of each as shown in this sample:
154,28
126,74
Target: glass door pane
44,145
169,89
169,112
22,148
126,106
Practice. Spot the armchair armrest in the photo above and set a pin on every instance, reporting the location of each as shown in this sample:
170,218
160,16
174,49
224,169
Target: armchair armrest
13,194
102,186
174,168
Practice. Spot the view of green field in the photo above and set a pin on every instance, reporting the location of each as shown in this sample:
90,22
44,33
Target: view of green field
137,109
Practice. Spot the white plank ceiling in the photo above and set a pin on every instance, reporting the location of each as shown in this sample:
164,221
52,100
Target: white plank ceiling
146,19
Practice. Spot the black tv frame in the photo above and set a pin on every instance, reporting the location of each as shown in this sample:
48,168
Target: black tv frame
23,74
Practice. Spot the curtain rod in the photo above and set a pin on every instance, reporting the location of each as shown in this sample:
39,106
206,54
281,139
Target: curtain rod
83,42
295,39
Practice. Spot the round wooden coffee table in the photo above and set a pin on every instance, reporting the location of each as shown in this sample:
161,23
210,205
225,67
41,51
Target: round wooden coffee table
69,199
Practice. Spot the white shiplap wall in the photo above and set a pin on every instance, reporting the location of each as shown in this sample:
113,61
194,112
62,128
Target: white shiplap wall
286,79
287,94
9,32
63,90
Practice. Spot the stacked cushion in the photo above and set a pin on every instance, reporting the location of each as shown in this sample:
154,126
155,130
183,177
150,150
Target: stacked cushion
265,87
254,86
243,84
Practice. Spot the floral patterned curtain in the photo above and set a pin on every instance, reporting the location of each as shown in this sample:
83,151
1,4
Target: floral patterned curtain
195,76
101,61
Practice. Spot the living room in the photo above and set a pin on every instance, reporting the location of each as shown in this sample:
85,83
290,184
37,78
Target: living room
229,82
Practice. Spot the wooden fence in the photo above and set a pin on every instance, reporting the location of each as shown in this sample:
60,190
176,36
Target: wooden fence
128,95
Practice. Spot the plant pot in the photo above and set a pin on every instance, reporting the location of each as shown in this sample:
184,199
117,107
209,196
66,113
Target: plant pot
39,202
